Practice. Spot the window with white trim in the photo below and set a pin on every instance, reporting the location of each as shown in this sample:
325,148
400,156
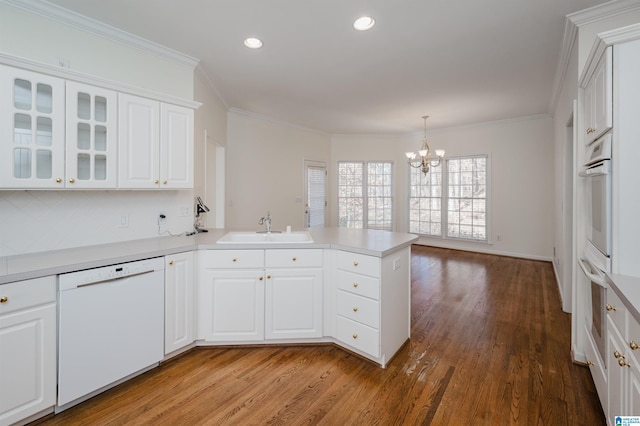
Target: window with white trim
365,198
451,200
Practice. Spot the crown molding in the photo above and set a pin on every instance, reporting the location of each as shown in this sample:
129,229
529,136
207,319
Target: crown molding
257,116
83,23
202,73
67,74
603,41
572,23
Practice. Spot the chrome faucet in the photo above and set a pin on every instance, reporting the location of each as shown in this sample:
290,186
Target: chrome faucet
266,221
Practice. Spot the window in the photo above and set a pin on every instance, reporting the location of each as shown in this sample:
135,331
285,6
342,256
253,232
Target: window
451,200
364,195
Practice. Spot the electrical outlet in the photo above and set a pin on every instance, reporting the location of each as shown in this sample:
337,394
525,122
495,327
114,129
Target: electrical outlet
162,218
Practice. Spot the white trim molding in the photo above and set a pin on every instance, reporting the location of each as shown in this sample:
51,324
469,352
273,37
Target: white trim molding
90,25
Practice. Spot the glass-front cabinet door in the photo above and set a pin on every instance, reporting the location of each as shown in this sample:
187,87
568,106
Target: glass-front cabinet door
32,130
91,137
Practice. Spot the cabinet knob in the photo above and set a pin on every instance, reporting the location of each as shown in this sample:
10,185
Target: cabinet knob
623,363
156,181
611,308
234,260
633,345
294,258
58,180
4,299
355,285
261,278
72,180
268,277
164,182
590,363
590,130
171,262
355,336
355,263
355,309
618,355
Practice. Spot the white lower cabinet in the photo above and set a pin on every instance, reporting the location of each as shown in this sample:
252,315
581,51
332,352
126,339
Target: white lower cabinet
179,307
27,348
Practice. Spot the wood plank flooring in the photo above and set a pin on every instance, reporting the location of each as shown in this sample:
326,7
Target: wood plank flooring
489,346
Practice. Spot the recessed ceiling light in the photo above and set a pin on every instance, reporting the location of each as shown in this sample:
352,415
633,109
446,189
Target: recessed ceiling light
253,43
364,23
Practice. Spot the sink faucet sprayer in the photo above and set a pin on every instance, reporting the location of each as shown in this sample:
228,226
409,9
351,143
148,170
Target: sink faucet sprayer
266,221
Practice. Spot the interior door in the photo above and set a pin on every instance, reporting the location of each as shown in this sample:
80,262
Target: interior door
315,194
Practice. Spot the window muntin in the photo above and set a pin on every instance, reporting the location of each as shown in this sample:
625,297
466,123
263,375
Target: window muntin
451,200
365,197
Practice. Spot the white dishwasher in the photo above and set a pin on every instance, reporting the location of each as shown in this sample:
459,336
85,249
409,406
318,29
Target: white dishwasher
110,327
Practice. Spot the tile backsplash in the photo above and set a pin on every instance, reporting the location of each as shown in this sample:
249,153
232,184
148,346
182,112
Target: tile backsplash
36,221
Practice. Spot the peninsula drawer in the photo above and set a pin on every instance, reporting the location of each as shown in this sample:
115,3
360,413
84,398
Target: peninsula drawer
232,259
359,309
299,258
27,294
359,263
359,284
358,335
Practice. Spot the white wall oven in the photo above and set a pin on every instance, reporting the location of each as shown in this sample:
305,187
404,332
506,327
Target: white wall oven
597,171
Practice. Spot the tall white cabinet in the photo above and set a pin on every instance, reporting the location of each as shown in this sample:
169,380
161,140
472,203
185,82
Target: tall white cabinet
179,312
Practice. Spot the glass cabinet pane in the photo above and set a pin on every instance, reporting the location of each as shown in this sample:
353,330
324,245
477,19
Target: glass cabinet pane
84,136
101,109
22,94
84,106
44,164
22,163
100,170
44,98
84,166
44,131
22,129
100,143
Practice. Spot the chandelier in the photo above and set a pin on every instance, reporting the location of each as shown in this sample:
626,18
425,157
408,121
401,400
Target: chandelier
425,161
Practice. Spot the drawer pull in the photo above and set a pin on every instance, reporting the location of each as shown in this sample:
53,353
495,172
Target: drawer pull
355,285
294,259
611,308
234,260
355,336
355,309
633,345
355,263
4,299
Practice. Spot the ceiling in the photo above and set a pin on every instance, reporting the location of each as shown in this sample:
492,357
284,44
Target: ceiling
458,61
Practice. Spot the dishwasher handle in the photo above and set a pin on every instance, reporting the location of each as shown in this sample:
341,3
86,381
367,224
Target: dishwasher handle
110,279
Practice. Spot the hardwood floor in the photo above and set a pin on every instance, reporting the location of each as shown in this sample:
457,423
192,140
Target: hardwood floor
489,346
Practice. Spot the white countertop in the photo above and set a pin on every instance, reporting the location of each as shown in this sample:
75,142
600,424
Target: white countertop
628,290
22,267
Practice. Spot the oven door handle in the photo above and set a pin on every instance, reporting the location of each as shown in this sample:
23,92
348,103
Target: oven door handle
596,278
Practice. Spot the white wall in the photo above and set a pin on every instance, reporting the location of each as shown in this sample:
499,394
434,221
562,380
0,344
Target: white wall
210,131
265,169
33,221
521,156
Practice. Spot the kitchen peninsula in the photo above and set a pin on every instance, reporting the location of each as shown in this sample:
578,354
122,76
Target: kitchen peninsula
346,287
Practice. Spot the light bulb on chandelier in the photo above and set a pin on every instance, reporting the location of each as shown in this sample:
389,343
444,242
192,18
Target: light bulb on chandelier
425,162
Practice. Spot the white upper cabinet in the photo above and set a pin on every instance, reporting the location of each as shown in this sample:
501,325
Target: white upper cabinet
598,99
176,146
155,144
32,129
91,154
139,142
